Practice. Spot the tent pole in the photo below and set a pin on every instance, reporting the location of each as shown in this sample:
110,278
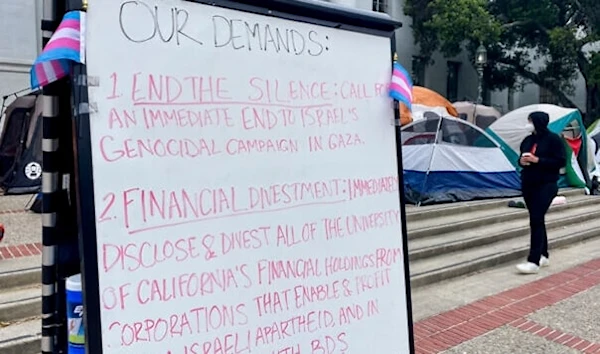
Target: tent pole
431,158
50,184
2,108
5,97
16,93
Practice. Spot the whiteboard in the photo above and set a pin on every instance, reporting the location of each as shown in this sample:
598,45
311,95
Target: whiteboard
245,183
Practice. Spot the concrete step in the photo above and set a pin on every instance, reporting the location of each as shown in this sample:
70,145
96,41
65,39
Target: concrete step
20,272
19,303
414,213
449,265
462,221
22,337
486,234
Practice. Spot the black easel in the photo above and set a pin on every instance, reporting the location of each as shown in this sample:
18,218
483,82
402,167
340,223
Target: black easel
60,257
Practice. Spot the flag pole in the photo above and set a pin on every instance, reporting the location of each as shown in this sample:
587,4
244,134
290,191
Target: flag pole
50,177
396,102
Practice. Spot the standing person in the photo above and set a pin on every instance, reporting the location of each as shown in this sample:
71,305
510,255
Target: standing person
542,157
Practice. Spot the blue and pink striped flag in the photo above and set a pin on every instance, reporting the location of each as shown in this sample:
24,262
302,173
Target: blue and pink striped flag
65,47
401,85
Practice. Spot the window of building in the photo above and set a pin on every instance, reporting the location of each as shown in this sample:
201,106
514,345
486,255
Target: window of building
548,97
418,70
380,5
452,81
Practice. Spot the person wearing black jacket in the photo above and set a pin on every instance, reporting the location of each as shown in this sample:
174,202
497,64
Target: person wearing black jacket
542,157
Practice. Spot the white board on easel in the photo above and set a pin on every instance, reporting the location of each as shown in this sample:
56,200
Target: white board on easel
246,188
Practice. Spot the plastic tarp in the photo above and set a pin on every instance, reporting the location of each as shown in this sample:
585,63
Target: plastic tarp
448,160
509,131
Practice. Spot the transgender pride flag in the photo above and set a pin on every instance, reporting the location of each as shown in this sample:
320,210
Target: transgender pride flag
65,47
401,85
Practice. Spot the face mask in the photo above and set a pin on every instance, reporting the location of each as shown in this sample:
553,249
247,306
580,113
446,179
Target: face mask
529,127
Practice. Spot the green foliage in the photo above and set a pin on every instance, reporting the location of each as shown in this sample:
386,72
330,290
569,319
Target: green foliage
424,35
457,21
594,72
516,33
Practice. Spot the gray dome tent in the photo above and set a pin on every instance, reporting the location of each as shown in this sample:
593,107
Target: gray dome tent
21,146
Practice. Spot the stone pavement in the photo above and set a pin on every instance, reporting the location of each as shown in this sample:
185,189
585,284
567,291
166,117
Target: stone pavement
21,226
23,229
554,312
568,327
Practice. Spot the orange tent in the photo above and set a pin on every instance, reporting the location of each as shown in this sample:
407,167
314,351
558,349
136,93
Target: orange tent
425,97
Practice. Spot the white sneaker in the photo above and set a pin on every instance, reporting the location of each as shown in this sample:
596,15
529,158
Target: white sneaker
528,268
544,262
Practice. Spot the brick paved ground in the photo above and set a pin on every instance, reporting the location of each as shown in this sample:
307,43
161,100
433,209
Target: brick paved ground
23,250
512,308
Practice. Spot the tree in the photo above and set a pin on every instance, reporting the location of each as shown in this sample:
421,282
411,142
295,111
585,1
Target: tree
561,35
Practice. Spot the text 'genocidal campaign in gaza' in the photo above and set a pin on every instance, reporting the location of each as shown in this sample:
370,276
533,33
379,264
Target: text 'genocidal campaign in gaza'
209,104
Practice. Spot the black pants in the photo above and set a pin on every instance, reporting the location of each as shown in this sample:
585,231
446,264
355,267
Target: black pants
538,199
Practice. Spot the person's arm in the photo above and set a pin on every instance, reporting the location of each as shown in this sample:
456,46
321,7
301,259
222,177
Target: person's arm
557,158
524,143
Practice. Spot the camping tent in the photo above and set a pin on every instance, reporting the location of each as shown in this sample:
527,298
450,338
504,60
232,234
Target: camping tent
593,133
478,114
423,100
21,146
447,160
422,112
510,131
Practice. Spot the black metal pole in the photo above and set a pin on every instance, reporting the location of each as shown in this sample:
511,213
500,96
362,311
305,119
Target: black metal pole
408,292
84,193
50,186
